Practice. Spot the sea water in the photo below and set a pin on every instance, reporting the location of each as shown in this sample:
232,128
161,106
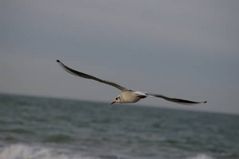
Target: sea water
48,128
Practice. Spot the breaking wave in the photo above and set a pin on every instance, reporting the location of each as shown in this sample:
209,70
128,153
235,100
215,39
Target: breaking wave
201,156
21,151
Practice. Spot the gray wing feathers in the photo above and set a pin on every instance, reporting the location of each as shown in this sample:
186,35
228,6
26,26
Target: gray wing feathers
176,100
84,75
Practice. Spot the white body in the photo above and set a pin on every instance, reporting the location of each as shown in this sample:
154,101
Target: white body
129,97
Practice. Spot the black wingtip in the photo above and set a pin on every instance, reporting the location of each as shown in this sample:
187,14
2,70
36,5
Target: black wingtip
205,102
58,61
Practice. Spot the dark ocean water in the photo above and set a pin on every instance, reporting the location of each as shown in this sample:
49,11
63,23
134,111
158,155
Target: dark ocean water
45,128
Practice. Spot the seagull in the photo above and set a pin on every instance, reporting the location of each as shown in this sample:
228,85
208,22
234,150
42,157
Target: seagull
126,95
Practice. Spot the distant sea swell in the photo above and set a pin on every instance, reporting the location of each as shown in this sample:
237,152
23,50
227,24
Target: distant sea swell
37,128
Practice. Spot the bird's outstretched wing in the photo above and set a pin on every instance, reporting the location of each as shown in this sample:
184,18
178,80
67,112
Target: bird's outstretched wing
84,75
176,100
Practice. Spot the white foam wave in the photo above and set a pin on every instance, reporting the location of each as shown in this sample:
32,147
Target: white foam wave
201,156
20,151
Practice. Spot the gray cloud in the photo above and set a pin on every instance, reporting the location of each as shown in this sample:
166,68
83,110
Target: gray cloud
209,25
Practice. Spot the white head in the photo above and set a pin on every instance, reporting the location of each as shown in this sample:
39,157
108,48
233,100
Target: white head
116,100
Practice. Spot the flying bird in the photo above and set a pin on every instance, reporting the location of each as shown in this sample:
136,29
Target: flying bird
126,95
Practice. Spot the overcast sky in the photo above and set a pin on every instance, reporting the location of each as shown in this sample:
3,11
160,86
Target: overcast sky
187,49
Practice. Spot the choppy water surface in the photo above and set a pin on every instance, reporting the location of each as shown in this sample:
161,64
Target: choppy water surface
45,128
